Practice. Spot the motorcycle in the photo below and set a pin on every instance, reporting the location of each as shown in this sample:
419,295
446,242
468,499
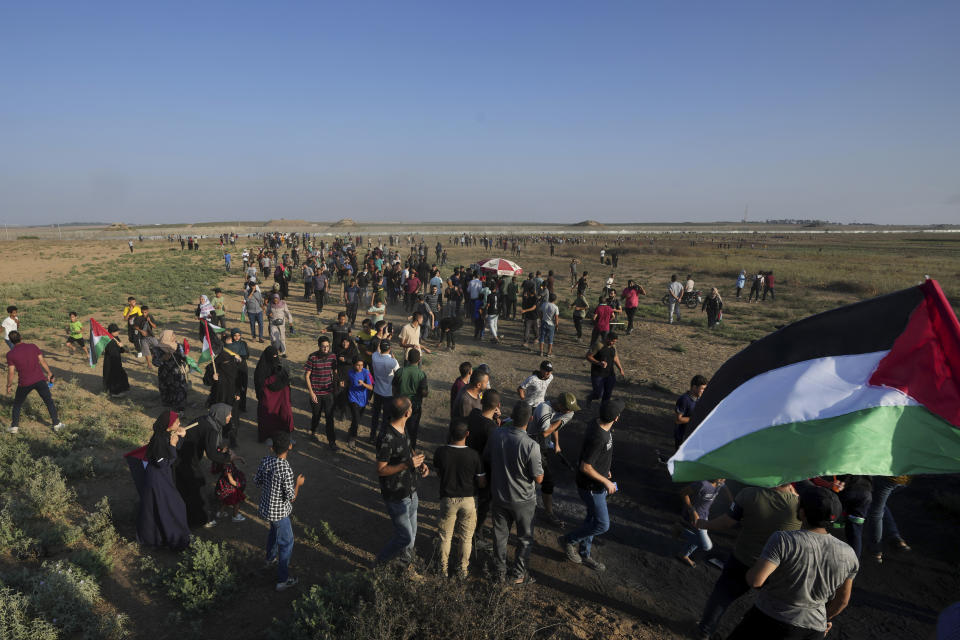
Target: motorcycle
690,298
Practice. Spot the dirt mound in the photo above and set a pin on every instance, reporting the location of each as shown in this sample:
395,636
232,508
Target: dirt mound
118,226
344,222
587,223
286,223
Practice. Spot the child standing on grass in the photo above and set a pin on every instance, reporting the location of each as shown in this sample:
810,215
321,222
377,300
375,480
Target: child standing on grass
230,488
358,394
75,334
275,478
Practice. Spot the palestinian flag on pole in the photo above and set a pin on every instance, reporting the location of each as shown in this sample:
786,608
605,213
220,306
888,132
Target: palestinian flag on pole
99,339
872,388
206,353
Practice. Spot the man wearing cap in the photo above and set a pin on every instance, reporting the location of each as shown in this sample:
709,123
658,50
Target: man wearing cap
533,390
806,575
516,469
594,483
545,430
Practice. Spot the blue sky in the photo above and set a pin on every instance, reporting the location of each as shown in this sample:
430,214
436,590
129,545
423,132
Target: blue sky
534,111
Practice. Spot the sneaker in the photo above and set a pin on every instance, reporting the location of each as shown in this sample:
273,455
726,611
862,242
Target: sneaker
238,518
139,354
569,550
283,586
13,429
57,427
210,524
596,565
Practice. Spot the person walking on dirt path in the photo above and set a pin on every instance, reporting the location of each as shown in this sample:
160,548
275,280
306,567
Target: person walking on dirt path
26,362
603,359
461,475
768,286
470,396
631,300
684,408
602,317
253,307
516,469
411,382
675,291
755,287
759,512
713,306
741,280
384,367
320,374
279,491
804,577
549,321
697,498
594,484
279,316
75,335
398,467
130,244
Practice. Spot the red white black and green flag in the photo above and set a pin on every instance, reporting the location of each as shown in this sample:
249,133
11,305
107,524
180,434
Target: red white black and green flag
99,339
872,388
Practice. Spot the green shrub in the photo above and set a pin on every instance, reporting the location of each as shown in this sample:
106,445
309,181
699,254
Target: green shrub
386,604
679,348
13,539
205,573
17,622
69,598
46,491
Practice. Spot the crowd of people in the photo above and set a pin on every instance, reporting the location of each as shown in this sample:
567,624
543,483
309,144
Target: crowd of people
494,461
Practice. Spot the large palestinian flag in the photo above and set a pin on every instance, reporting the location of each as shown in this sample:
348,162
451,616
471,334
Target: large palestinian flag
99,339
872,388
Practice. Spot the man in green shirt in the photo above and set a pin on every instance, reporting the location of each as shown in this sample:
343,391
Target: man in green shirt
219,307
411,382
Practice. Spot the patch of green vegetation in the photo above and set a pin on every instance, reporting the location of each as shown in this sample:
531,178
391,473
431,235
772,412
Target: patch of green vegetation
381,605
679,348
206,573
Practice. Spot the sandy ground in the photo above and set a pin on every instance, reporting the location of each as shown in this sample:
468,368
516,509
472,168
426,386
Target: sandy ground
645,593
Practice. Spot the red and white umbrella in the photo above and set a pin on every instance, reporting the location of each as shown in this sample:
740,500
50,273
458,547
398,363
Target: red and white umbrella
501,267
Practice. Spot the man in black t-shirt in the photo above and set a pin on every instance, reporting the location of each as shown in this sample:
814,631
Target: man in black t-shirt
604,364
594,484
461,475
482,422
340,329
398,468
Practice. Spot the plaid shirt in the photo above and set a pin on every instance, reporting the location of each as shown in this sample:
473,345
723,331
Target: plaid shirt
321,369
275,478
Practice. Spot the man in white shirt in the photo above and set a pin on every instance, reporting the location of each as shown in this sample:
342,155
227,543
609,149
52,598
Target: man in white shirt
689,286
383,365
533,390
675,291
10,323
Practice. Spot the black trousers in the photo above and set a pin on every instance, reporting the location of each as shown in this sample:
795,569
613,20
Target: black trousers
730,586
323,405
356,412
319,295
381,408
578,325
631,311
413,424
757,624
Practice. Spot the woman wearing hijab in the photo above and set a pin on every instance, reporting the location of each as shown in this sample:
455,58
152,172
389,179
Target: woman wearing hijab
274,412
171,376
115,380
268,359
205,313
205,438
713,305
279,316
162,518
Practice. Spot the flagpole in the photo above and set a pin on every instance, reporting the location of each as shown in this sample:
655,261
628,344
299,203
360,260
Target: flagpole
213,360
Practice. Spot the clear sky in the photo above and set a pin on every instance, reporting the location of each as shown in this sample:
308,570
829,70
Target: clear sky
528,111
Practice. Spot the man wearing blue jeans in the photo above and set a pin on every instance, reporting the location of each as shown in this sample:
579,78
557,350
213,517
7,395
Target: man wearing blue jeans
275,478
398,468
594,485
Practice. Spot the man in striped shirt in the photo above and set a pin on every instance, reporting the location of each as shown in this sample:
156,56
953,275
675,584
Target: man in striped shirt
320,375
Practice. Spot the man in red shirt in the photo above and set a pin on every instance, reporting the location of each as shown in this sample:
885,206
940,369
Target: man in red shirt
631,300
33,375
602,316
411,289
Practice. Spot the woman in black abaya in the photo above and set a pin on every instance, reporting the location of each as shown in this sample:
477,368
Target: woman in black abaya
162,519
114,377
204,439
